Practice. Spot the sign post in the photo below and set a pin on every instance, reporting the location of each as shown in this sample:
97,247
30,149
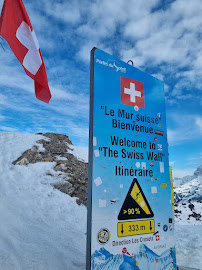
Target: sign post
130,218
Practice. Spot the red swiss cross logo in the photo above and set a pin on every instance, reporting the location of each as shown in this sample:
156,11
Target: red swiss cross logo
132,92
157,237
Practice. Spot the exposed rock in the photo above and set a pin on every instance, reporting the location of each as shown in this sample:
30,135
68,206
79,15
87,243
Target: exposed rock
178,211
65,188
191,206
23,161
55,150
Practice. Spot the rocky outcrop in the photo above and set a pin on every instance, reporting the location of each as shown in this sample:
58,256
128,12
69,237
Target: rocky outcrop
55,148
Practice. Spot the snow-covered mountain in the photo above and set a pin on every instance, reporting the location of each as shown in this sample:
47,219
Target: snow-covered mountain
177,182
43,215
198,171
188,198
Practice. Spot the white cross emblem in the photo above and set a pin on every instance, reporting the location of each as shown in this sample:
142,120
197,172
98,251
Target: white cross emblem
132,92
32,60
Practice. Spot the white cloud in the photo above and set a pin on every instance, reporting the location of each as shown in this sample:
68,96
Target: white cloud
171,163
68,12
8,129
84,52
3,99
182,173
105,17
58,92
184,128
199,123
195,162
159,76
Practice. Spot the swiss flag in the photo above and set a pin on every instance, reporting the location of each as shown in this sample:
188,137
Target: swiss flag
16,29
157,237
132,92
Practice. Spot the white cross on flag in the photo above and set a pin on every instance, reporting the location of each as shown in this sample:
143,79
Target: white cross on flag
16,29
132,92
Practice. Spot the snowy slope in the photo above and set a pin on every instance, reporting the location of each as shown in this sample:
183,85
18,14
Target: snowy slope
188,220
41,228
188,239
188,199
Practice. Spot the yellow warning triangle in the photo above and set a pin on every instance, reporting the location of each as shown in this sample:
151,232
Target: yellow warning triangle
135,205
137,196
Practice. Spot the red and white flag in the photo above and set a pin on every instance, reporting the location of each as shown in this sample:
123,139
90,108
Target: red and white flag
132,92
16,29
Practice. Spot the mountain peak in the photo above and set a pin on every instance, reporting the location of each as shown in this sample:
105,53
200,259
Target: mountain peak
198,171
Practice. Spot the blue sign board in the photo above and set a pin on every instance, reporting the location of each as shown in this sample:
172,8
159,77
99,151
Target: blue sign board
130,218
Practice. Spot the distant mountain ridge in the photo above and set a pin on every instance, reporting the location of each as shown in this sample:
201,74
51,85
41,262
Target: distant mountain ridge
198,171
188,197
177,181
191,187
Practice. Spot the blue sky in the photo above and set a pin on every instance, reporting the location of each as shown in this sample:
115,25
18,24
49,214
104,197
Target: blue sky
161,39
